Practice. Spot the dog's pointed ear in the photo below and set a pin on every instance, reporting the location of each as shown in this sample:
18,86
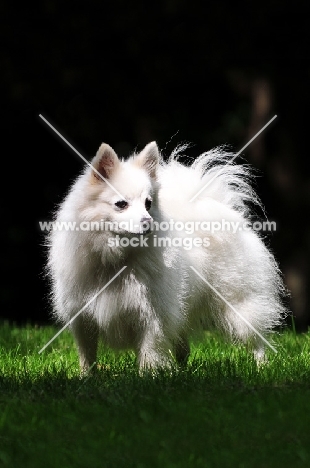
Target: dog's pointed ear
148,159
104,163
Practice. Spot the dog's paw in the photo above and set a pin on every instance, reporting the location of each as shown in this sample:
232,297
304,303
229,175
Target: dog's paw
260,357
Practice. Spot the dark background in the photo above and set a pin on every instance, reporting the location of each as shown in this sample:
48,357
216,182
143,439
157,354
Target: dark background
127,73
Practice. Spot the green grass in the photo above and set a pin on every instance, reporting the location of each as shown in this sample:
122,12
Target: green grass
219,411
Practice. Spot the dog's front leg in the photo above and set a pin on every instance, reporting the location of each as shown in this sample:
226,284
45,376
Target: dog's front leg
154,350
86,332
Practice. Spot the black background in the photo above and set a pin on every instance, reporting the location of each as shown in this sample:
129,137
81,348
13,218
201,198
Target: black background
131,72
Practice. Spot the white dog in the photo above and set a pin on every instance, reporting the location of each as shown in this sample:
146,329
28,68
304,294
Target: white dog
182,274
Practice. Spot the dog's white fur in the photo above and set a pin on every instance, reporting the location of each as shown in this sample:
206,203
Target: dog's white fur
158,302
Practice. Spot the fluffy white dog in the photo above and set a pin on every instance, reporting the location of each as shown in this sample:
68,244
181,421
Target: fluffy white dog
183,273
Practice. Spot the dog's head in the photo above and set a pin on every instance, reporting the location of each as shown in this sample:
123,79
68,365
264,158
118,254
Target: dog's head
122,193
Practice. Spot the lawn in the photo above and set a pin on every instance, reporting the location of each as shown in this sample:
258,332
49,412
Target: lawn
219,411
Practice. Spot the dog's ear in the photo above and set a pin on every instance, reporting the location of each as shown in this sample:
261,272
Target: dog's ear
104,163
148,159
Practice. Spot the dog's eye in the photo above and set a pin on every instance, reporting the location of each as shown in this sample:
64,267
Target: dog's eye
148,203
121,204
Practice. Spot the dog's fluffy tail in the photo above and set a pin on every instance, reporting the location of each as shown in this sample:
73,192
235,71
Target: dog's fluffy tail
212,175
